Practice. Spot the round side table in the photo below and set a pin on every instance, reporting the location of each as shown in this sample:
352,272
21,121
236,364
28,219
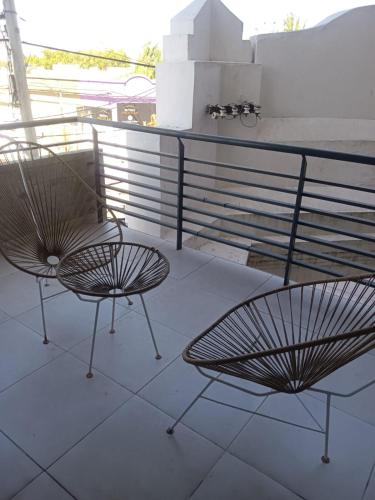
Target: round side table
110,271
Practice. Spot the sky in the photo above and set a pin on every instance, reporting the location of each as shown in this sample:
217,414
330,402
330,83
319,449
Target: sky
129,24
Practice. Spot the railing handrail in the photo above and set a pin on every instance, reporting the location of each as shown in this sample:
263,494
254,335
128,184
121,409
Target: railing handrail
218,139
184,215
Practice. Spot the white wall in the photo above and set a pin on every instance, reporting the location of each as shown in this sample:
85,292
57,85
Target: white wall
326,71
316,88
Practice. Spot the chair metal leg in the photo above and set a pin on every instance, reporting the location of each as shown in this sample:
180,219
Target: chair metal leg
130,302
40,281
90,374
157,356
112,330
170,429
325,457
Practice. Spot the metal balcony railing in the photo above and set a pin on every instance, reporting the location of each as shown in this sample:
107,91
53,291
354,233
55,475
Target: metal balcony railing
306,217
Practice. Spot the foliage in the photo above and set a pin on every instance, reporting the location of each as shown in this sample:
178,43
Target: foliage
293,23
151,54
50,57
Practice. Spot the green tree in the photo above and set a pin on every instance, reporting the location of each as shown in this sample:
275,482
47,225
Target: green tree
151,54
50,57
293,23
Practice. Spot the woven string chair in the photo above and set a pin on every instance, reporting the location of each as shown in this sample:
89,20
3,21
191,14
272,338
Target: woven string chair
291,338
47,210
113,270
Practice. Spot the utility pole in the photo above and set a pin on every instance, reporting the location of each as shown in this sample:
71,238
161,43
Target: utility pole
19,66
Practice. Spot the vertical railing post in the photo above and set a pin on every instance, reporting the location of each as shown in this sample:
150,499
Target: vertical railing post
97,171
297,209
180,192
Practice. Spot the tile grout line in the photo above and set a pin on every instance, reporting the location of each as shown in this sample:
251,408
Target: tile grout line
27,484
42,469
140,313
345,412
368,481
253,415
89,432
33,371
51,477
16,318
45,469
98,370
226,450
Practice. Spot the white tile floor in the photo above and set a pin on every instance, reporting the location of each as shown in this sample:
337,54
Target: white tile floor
63,436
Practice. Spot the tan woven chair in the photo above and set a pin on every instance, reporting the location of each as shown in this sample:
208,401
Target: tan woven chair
289,339
47,210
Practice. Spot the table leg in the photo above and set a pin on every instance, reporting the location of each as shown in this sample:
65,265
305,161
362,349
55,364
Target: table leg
90,374
112,330
157,356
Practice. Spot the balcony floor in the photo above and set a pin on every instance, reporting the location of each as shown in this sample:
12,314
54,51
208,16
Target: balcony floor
63,436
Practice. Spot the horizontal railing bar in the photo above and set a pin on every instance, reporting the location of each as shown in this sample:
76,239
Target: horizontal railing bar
142,207
333,199
349,218
336,260
140,162
135,172
229,141
78,141
137,195
239,208
335,230
139,184
340,185
234,221
241,168
240,195
143,217
237,233
266,146
242,183
38,123
57,144
235,244
139,150
315,268
331,244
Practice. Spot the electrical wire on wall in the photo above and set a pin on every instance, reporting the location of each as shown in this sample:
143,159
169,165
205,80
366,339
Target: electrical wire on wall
246,111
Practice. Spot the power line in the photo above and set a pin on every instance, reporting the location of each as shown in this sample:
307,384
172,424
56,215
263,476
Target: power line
80,80
73,80
86,54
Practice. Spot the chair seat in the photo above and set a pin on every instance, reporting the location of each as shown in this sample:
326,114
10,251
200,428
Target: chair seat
113,269
291,338
39,254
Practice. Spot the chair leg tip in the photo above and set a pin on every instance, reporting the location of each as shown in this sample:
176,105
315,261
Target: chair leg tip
170,431
325,459
89,375
158,356
112,331
45,341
